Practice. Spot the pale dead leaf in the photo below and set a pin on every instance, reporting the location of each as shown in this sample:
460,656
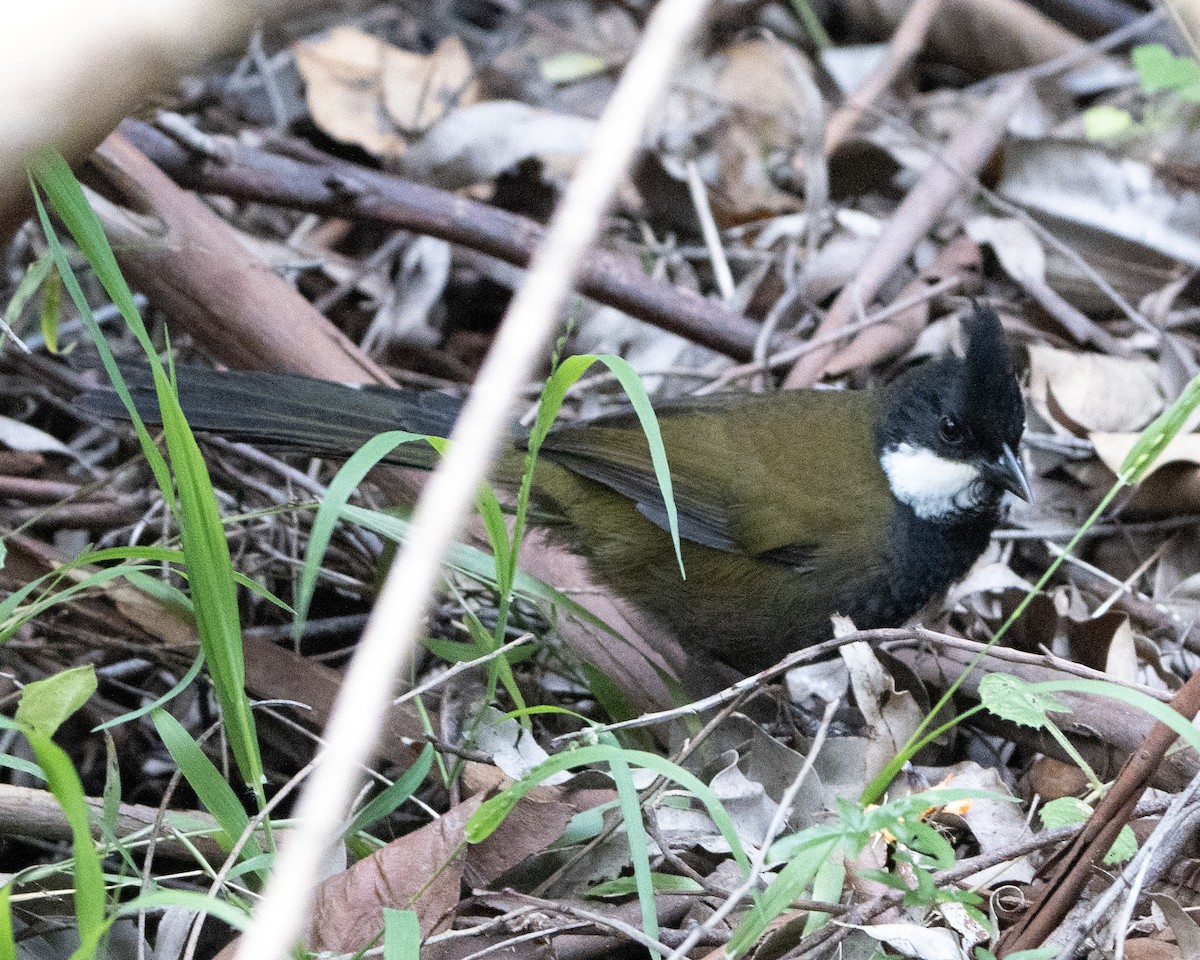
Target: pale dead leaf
1113,448
474,144
970,929
1171,486
892,715
729,111
19,436
913,940
364,91
995,824
419,90
1084,184
1079,393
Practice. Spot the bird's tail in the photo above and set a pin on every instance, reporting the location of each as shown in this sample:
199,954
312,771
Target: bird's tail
290,411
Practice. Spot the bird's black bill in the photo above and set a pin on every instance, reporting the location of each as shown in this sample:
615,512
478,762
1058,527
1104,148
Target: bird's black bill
1008,473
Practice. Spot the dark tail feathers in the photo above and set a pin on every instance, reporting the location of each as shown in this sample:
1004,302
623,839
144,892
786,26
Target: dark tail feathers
289,411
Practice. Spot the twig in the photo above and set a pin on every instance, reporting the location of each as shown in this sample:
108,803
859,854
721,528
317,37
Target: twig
337,188
949,177
905,44
391,633
760,858
1074,866
739,689
708,229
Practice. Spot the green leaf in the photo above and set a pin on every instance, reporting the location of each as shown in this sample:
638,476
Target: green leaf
35,275
1064,812
1013,699
661,882
390,798
491,813
635,834
184,682
206,780
51,301
344,483
8,943
1068,811
1105,122
45,704
87,876
1123,848
566,68
1159,69
401,935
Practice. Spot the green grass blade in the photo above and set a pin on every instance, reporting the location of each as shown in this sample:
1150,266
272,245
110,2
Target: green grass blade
391,798
206,780
184,682
344,483
8,943
639,849
87,874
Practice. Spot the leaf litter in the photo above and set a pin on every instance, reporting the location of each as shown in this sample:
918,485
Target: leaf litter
1087,247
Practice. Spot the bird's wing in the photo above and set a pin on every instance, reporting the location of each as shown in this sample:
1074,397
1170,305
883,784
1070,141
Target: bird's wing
750,474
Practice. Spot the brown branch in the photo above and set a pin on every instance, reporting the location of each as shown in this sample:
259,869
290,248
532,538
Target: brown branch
1073,867
948,178
335,188
26,812
906,43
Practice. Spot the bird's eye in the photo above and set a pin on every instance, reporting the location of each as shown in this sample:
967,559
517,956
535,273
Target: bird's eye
951,430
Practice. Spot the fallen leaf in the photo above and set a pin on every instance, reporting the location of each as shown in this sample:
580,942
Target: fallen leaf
913,940
1081,393
893,716
26,439
364,91
1083,184
420,871
474,144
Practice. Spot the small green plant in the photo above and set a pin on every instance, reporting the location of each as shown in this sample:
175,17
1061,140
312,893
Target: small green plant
1165,78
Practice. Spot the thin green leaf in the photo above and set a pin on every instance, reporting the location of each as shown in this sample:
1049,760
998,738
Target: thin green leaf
390,799
206,780
492,812
184,682
68,791
639,848
46,704
345,482
8,943
661,882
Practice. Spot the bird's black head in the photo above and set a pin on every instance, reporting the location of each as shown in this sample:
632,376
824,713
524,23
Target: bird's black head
948,430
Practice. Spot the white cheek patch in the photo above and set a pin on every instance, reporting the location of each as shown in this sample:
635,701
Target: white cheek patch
933,486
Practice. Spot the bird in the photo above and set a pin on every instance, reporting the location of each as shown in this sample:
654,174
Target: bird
792,506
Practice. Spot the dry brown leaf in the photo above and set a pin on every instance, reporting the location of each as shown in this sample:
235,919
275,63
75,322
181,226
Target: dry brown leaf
1173,482
534,823
421,871
982,36
361,90
1079,393
1051,779
1149,948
